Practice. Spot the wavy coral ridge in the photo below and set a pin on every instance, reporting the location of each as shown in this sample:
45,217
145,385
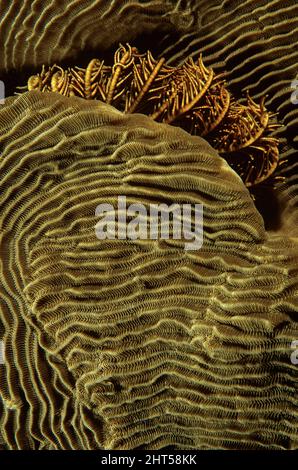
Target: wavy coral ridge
253,41
125,344
53,30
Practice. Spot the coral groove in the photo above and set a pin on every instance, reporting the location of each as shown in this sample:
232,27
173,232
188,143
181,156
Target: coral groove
124,344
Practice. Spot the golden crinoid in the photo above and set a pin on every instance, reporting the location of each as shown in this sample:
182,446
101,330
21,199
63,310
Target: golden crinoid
190,96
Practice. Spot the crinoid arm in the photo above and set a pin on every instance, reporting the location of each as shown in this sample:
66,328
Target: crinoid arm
191,96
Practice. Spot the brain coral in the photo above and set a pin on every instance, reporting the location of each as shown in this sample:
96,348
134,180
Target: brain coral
253,41
47,31
124,344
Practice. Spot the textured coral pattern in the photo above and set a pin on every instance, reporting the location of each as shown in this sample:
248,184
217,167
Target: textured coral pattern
49,31
123,344
254,41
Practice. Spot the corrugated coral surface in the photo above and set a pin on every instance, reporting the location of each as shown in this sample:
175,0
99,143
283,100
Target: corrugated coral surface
123,344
